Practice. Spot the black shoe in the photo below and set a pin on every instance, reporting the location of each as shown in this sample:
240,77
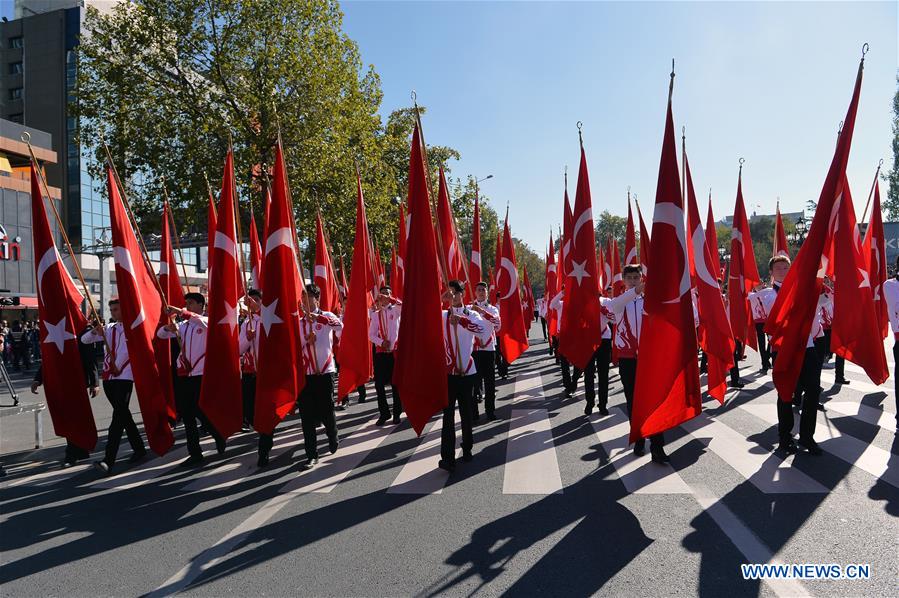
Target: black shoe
811,446
639,449
659,455
821,408
192,461
446,465
246,428
477,417
310,463
103,467
263,459
332,446
588,409
603,411
340,407
137,456
361,399
381,420
736,384
491,416
395,420
842,381
220,446
787,446
467,456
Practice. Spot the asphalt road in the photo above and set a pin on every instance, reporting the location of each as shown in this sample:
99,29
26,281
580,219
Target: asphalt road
553,504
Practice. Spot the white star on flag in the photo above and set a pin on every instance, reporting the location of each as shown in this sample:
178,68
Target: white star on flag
269,317
579,271
57,334
230,316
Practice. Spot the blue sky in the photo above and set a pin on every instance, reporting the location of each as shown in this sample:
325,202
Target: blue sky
505,84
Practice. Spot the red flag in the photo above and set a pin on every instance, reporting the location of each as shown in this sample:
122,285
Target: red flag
355,348
606,277
168,268
398,284
324,277
711,240
780,237
512,335
715,336
279,372
744,276
496,262
59,310
630,239
420,369
580,319
394,269
474,265
528,299
342,284
552,288
874,250
667,391
255,255
615,259
210,232
855,334
644,243
452,250
142,315
567,223
791,317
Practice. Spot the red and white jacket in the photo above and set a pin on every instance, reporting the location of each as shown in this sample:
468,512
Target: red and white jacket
384,325
759,314
193,332
115,339
459,339
493,323
769,296
627,309
249,349
318,352
891,296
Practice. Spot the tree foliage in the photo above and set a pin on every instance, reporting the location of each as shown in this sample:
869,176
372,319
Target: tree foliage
892,200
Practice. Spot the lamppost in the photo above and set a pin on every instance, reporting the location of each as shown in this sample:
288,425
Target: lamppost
797,237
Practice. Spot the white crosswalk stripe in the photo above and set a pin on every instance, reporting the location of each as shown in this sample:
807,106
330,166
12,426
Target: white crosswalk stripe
870,415
420,474
829,379
531,463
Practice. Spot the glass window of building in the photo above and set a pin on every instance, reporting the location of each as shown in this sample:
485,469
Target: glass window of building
15,68
15,93
16,42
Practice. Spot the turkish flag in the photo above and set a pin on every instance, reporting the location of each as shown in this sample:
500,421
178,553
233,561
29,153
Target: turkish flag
780,237
255,255
581,331
606,275
168,268
667,391
512,335
342,284
324,277
355,348
711,241
496,261
452,250
874,250
210,232
744,276
791,317
279,373
142,315
644,242
715,336
615,259
528,299
220,395
398,284
552,288
59,311
567,222
630,239
856,333
474,265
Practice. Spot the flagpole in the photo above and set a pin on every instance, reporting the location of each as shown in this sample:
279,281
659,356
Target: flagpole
871,192
167,208
236,205
211,196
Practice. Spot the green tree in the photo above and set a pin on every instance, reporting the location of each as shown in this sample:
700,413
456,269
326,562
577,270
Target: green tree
609,224
535,266
892,201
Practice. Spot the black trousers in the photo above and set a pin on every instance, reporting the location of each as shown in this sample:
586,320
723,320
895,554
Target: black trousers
763,345
502,366
627,370
570,374
598,367
543,325
383,376
118,392
187,398
316,405
735,371
809,385
248,394
483,362
461,393
896,380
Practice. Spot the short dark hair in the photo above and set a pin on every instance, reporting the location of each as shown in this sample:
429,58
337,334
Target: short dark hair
456,285
113,302
255,293
776,260
481,284
313,290
198,297
386,287
632,269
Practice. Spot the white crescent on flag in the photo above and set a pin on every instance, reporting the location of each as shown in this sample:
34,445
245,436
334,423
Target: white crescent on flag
584,217
222,241
699,258
670,214
476,258
122,258
321,271
282,236
507,265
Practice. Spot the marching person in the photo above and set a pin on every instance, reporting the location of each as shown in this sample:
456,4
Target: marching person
808,387
315,401
759,316
383,332
826,315
248,345
541,313
117,386
484,351
598,367
891,296
569,378
461,327
192,330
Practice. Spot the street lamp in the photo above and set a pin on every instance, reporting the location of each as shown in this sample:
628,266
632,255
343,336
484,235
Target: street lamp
797,237
489,176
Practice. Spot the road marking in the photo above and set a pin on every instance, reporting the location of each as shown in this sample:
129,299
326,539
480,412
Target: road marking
870,415
531,463
528,386
420,474
856,384
866,457
766,471
638,474
47,478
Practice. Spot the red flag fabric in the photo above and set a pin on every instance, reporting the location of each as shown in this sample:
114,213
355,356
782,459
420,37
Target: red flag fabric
552,288
644,242
874,250
744,275
528,299
567,223
344,289
790,318
630,239
715,336
59,310
324,271
394,269
780,237
142,315
581,331
452,249
615,259
420,370
512,335
496,262
474,265
606,275
711,241
168,268
855,332
398,284
210,232
667,391
279,373
255,255
355,348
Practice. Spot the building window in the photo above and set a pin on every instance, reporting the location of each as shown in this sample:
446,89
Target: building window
16,42
15,93
15,68
17,118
